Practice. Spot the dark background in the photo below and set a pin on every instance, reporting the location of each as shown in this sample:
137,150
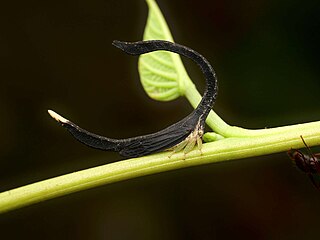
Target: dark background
58,55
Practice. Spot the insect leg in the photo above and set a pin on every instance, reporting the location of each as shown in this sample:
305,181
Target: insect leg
199,144
190,145
308,148
178,147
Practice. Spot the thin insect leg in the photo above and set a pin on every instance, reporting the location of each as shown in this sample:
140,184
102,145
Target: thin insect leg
308,148
314,159
309,164
190,145
178,148
199,144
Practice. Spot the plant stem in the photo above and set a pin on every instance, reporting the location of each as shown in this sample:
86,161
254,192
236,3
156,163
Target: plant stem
222,150
222,128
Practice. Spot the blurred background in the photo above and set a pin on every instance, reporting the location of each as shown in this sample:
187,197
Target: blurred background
58,55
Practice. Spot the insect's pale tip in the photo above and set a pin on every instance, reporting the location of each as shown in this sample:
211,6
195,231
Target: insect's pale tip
57,117
115,42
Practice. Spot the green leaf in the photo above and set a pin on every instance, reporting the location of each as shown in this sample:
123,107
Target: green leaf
162,73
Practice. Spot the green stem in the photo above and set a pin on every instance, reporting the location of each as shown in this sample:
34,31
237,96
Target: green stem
222,128
222,150
213,120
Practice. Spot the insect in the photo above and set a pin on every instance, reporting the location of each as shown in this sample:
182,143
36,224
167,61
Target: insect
308,163
181,135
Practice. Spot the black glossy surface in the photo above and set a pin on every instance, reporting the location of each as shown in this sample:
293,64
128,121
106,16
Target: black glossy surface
170,136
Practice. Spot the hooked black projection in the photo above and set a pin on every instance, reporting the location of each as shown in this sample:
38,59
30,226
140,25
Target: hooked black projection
181,135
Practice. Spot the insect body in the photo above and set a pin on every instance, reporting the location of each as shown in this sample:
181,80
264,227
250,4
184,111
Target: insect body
183,134
309,164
